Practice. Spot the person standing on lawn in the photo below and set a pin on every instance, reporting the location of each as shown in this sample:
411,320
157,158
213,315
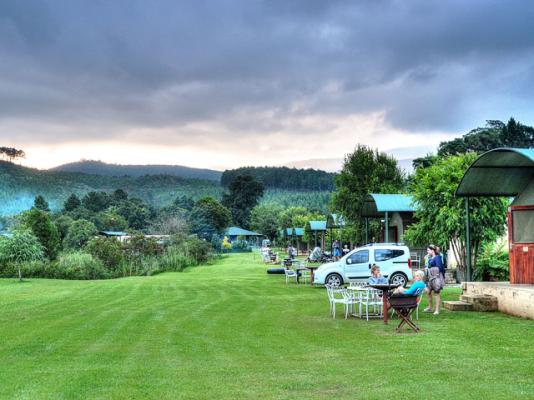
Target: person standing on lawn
436,282
336,249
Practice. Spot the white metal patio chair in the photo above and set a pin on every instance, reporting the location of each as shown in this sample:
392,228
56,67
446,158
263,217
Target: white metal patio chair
290,274
371,298
339,296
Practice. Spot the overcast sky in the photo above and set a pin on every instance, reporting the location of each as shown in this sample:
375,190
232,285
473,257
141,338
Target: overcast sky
227,83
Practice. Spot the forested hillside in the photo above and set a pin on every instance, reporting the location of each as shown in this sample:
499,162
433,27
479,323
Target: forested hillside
284,177
101,168
19,186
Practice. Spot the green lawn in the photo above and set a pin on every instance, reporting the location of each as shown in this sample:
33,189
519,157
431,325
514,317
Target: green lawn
229,331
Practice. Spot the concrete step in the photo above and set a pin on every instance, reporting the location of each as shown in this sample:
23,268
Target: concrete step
481,302
458,306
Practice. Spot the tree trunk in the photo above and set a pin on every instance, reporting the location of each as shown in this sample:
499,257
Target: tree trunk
20,273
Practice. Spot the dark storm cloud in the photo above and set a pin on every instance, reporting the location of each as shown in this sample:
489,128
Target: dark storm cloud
251,66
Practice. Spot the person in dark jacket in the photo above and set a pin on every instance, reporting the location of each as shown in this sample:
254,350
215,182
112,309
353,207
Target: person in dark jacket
436,281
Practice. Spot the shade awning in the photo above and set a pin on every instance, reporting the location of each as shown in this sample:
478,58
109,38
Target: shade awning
376,205
316,226
498,172
237,231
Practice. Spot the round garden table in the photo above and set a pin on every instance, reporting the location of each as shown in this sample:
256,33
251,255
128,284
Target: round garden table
385,290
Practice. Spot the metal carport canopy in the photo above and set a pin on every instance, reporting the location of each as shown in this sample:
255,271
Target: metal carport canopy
376,205
498,172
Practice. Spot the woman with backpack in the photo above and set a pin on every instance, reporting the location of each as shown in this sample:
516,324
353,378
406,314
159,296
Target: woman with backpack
436,281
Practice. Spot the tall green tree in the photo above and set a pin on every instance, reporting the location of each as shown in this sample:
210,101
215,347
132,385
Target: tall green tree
135,212
244,193
490,136
72,203
294,217
96,201
40,223
110,221
440,216
41,204
209,217
79,233
63,223
184,202
265,218
118,196
364,171
515,134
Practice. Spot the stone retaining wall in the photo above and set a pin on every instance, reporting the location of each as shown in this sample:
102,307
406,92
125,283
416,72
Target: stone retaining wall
515,300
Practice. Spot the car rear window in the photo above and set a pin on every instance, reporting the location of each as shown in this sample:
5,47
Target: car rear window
387,254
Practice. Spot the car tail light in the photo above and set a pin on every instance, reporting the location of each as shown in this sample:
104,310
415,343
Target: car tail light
410,263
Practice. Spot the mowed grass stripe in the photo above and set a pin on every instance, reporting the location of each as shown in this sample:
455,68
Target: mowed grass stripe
230,331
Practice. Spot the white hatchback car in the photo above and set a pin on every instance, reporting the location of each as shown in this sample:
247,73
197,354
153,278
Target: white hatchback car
393,259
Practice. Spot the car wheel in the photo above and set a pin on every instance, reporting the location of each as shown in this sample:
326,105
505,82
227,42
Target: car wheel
334,280
398,278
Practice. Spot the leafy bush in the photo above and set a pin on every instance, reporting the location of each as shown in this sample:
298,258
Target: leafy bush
493,262
23,247
240,246
79,265
173,259
196,250
79,233
185,251
141,246
30,269
142,266
108,251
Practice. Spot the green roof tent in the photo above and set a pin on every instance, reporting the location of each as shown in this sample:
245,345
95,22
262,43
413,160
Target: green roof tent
379,205
314,228
286,232
295,236
506,172
237,231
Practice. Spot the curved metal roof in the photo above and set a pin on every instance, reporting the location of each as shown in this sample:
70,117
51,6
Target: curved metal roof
498,172
376,205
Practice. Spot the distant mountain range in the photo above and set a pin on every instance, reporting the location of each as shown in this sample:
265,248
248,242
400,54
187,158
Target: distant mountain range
403,155
19,185
104,169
